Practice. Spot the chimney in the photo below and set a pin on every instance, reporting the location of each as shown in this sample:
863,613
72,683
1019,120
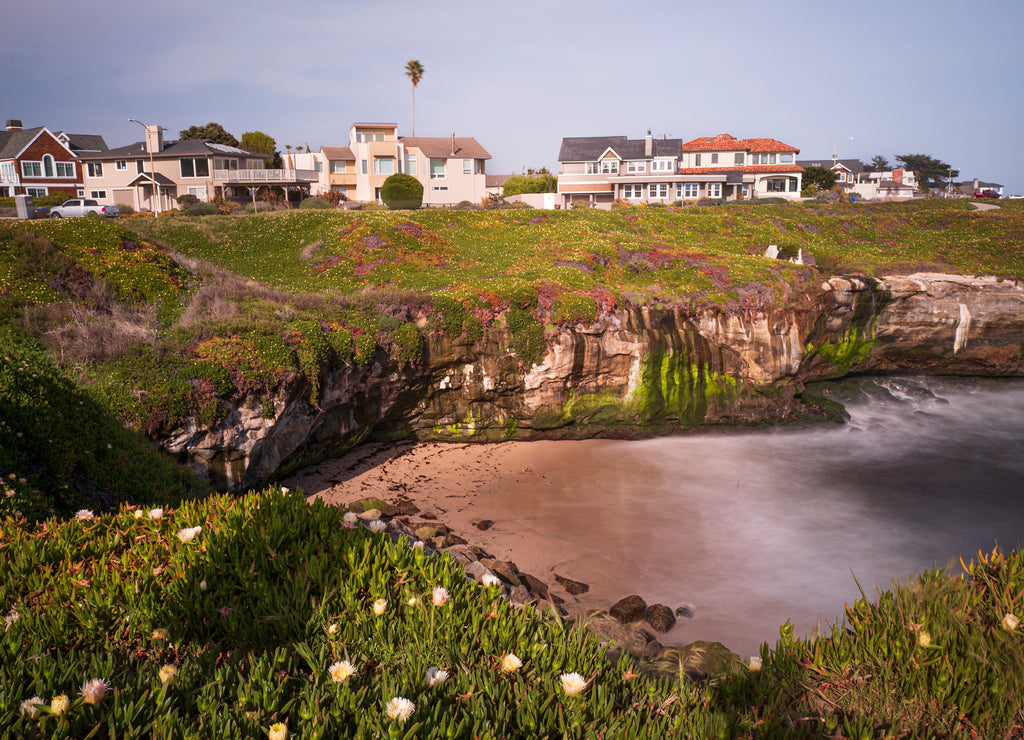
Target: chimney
13,124
897,175
977,184
648,144
154,139
453,143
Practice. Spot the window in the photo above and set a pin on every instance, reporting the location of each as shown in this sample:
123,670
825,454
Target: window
80,193
121,164
98,194
376,194
383,166
592,168
195,167
662,165
746,190
632,191
436,168
610,167
688,190
65,169
467,167
225,164
35,192
771,159
337,167
8,169
696,160
636,167
31,169
659,190
738,158
714,158
318,166
438,187
410,164
786,158
199,191
95,169
714,190
48,165
364,166
779,184
139,165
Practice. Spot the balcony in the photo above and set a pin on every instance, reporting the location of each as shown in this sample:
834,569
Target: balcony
264,177
7,178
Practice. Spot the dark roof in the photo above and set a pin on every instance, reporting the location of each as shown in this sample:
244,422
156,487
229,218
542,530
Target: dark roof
589,148
496,181
853,165
145,177
440,147
12,142
81,143
180,148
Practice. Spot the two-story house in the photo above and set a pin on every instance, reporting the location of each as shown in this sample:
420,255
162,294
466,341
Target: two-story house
599,170
150,175
38,162
849,172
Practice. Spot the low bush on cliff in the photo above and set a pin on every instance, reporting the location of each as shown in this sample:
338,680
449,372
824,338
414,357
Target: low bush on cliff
243,616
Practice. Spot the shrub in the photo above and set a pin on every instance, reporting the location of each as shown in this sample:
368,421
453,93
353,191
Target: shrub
317,203
201,209
402,192
187,199
260,205
126,210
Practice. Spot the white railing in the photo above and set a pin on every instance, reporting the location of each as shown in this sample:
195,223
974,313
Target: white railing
246,176
8,179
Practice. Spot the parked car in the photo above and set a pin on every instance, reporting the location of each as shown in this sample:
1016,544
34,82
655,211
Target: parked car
80,207
986,194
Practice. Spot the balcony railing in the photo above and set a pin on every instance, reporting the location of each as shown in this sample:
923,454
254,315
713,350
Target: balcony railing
9,179
262,176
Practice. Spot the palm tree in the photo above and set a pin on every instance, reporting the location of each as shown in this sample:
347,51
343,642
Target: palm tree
414,71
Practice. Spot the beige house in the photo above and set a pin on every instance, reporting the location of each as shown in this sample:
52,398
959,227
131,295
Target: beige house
598,170
150,175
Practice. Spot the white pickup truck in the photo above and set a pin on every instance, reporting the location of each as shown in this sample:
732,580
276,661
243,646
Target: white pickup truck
80,207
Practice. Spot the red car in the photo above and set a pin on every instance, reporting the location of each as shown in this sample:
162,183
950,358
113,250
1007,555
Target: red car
986,194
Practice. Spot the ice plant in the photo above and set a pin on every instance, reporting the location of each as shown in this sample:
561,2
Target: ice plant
84,514
439,596
11,618
341,671
572,683
380,606
333,629
754,663
160,634
94,690
489,579
350,517
436,676
156,513
30,707
377,526
1010,622
188,533
510,663
278,731
59,704
924,639
167,673
399,708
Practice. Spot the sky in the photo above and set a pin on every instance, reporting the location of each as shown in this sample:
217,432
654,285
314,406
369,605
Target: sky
938,77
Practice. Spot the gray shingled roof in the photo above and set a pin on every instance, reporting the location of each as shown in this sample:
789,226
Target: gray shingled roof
12,142
180,148
81,143
853,165
589,148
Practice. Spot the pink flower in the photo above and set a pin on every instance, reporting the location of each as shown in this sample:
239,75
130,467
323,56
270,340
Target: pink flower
84,514
440,596
94,690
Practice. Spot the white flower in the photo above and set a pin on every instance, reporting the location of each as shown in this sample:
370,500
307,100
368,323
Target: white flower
510,663
167,673
413,601
1010,622
489,579
572,683
341,671
202,585
754,663
399,708
189,533
84,514
924,639
380,606
436,676
138,513
285,490
156,513
439,596
278,731
350,517
417,545
30,707
333,628
11,618
94,690
59,704
377,526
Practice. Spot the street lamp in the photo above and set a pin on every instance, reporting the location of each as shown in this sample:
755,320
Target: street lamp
152,169
835,149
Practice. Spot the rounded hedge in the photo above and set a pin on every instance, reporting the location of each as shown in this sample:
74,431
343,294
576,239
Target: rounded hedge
402,192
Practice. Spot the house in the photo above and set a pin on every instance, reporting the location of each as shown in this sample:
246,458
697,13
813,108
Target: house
849,172
968,188
897,184
150,175
39,162
599,170
451,168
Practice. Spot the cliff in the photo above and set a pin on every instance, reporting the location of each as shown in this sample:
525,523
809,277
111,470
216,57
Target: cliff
637,371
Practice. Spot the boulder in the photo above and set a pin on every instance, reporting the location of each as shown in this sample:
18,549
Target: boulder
630,609
574,588
619,637
536,586
477,570
505,570
660,617
366,504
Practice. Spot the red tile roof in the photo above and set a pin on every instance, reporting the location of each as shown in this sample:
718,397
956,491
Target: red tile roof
727,143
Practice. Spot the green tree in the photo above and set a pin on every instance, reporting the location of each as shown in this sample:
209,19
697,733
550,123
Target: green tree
819,176
930,172
879,163
213,131
401,192
414,71
257,141
525,184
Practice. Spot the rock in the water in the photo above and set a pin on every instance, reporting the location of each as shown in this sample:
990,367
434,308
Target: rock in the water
637,643
660,617
483,525
505,570
630,609
573,587
536,586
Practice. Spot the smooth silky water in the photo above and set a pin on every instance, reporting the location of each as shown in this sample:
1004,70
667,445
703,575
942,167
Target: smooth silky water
751,529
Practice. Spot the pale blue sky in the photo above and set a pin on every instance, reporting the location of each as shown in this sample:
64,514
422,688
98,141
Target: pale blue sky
902,76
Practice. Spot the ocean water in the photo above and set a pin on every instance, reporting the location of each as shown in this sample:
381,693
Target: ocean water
751,529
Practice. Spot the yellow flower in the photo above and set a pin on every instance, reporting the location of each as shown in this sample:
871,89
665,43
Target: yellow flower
1010,622
755,663
380,606
59,704
341,671
924,639
167,673
160,634
278,731
510,663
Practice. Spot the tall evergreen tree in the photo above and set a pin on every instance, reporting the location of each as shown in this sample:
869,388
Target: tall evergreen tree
213,131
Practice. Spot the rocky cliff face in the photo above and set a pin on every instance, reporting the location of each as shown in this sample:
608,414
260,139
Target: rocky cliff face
634,372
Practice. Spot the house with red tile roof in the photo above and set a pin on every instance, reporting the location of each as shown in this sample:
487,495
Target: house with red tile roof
598,170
